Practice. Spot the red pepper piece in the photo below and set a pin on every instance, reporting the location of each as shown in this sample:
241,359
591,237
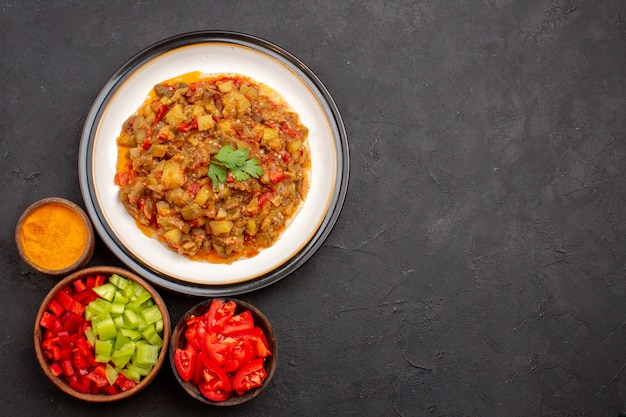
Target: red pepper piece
193,188
100,280
109,389
56,308
51,349
86,296
80,383
187,127
80,361
285,156
160,113
146,144
83,347
124,383
277,176
67,367
98,376
73,323
70,303
79,285
49,321
64,341
55,368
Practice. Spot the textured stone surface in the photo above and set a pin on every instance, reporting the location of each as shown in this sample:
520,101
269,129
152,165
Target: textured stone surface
477,268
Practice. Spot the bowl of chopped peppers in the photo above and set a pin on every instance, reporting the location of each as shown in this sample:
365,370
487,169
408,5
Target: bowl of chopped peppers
223,352
101,334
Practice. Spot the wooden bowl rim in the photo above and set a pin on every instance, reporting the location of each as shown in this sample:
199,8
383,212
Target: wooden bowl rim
82,260
259,318
108,271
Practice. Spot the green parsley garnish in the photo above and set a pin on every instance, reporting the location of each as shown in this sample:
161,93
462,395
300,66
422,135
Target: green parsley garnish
237,161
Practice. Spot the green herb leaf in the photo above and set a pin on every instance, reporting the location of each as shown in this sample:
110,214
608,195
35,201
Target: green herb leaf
217,173
232,158
235,160
252,168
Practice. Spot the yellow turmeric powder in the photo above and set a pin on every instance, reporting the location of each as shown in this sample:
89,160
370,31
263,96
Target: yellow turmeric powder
53,236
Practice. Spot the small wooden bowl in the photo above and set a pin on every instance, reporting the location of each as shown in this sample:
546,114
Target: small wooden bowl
25,220
39,332
178,340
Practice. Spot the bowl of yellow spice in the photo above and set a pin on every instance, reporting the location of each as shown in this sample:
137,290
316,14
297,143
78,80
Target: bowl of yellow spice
55,236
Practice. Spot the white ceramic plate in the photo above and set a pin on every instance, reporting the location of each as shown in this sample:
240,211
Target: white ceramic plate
214,53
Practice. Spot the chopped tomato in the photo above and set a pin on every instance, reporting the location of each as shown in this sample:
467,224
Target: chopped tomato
241,353
185,362
225,344
259,341
193,189
239,323
220,311
219,352
215,384
251,375
196,334
277,176
122,178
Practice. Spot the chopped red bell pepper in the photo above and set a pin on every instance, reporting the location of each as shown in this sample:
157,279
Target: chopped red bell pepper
56,308
67,367
160,113
79,285
80,383
73,322
55,368
277,176
187,127
124,383
67,301
98,376
49,321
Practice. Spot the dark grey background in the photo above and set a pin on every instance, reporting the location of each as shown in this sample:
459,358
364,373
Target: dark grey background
477,268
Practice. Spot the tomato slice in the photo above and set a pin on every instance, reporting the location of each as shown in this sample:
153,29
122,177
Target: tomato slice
215,384
239,323
259,341
219,312
240,354
196,334
218,352
185,362
249,376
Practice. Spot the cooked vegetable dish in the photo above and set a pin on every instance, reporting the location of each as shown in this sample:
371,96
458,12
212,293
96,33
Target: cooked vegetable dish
213,166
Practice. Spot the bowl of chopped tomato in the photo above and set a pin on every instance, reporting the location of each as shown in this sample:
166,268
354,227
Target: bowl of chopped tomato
223,352
102,334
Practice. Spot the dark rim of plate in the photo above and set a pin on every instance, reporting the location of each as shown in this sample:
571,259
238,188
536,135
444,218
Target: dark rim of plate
191,288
